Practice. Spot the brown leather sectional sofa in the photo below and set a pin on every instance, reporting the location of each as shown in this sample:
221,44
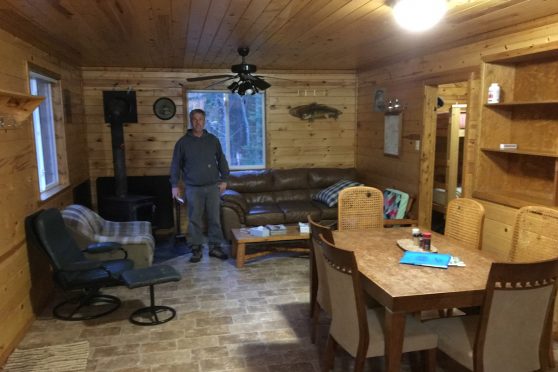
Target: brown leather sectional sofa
276,196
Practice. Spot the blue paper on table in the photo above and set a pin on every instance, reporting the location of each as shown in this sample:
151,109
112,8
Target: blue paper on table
439,260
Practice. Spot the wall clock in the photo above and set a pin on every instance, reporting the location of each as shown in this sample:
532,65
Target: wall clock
164,108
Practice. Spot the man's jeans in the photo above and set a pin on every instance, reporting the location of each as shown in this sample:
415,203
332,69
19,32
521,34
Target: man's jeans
200,199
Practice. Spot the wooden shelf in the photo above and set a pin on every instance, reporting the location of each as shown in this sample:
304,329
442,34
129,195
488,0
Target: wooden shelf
521,152
527,117
18,106
522,103
512,199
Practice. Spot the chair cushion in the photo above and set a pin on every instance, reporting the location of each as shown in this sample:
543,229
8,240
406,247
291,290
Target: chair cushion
456,337
330,195
395,204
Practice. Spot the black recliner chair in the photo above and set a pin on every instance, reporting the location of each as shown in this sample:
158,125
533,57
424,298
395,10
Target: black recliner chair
82,278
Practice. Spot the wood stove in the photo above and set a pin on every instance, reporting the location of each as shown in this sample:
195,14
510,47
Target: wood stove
120,108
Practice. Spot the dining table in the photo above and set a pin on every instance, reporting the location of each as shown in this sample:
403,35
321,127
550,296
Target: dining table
406,289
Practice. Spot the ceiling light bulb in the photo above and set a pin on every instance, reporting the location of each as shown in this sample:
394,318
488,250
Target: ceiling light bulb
419,15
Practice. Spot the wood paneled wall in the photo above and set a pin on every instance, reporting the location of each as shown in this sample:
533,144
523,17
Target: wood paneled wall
25,281
405,81
290,141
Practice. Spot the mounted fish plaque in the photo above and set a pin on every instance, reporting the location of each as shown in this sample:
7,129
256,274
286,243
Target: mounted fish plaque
314,111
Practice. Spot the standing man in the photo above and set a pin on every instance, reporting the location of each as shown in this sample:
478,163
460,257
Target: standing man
199,156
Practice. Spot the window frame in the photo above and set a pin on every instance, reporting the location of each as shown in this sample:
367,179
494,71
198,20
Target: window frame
227,127
56,127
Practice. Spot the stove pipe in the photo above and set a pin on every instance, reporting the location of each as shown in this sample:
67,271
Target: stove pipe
119,108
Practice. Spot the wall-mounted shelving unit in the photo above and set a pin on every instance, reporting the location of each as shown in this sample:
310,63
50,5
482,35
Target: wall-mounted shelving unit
16,108
527,116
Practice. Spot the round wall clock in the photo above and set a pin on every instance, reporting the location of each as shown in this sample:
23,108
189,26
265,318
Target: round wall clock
164,108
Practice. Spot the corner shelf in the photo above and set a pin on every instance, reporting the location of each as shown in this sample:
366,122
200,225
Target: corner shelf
18,106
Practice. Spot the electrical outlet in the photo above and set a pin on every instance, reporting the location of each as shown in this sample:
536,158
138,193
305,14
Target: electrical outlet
417,145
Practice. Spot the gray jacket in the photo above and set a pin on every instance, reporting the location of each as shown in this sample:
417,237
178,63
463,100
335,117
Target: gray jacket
200,159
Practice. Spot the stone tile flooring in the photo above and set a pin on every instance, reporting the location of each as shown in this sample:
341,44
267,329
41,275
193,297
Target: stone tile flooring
250,320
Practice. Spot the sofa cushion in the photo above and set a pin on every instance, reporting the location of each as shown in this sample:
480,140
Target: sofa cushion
296,211
319,178
290,179
330,195
326,213
263,214
291,195
250,181
259,197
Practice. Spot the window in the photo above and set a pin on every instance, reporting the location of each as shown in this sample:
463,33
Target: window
238,122
49,135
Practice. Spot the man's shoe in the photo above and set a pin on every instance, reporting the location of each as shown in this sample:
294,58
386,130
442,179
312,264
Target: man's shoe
218,252
196,254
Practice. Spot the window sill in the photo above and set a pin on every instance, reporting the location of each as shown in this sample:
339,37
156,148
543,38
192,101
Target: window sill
52,192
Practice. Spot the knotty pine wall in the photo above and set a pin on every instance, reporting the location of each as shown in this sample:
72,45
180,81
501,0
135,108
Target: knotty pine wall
25,281
406,80
290,141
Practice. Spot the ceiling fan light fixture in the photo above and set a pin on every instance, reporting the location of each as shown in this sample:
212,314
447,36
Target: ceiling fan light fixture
419,15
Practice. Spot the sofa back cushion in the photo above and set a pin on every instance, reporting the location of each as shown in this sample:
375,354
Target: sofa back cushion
290,179
292,195
251,181
320,178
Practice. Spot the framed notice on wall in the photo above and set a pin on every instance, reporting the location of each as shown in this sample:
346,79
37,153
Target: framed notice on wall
392,133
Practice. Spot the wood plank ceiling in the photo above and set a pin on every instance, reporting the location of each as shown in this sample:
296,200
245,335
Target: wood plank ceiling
282,34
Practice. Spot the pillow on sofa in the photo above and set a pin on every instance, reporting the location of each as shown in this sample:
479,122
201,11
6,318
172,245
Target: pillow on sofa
329,195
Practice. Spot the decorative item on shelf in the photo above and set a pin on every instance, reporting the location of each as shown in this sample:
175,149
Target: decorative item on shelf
16,108
494,93
314,111
164,108
508,146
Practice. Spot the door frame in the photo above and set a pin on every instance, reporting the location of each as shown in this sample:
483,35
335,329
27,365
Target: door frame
428,143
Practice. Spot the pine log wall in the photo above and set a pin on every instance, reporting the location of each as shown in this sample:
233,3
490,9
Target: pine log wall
25,279
290,141
406,80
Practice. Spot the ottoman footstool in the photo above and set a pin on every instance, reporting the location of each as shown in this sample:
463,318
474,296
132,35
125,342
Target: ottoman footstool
151,276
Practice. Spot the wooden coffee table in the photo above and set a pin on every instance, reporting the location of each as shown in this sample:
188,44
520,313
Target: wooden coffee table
241,237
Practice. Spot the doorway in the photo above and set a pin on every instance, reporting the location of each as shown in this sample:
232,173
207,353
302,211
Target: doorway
447,157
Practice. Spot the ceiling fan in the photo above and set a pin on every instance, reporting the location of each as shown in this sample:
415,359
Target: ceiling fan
245,82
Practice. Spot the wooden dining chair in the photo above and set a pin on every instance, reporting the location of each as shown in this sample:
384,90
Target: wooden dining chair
512,332
535,237
464,222
358,329
359,208
319,292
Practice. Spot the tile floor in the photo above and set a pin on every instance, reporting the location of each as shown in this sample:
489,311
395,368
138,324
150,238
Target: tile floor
250,320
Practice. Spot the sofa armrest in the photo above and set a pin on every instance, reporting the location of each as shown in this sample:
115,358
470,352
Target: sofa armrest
231,197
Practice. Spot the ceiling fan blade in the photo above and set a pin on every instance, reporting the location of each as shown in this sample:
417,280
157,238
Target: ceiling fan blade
202,78
260,83
221,81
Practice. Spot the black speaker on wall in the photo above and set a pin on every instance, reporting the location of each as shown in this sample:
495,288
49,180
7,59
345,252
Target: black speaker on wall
120,106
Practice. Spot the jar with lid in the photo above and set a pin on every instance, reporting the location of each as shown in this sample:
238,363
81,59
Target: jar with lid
426,240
